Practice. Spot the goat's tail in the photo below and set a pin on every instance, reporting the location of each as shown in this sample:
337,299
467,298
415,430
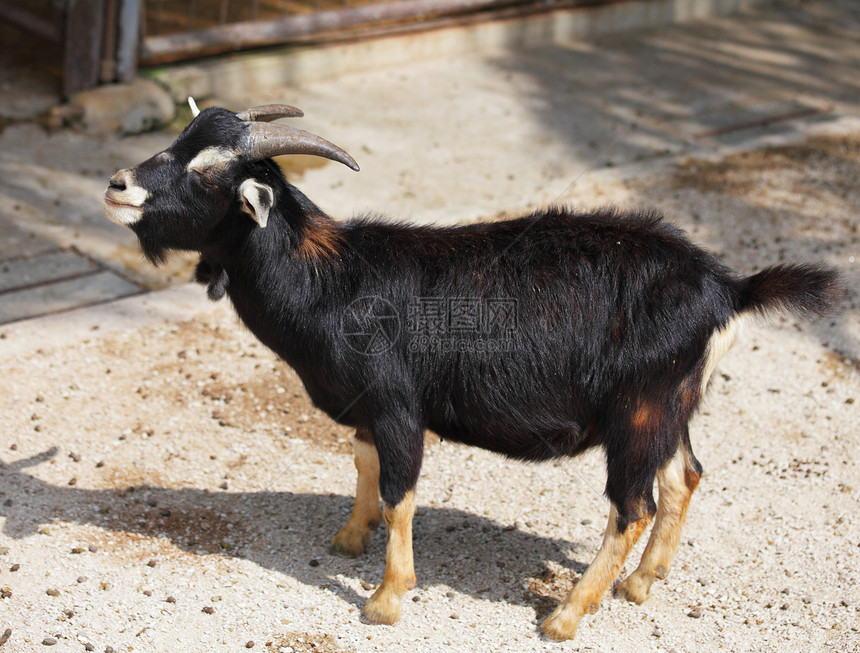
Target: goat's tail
806,291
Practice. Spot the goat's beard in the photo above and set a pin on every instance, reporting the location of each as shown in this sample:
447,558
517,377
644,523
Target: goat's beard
152,249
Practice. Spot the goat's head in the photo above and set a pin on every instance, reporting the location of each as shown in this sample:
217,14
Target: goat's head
216,167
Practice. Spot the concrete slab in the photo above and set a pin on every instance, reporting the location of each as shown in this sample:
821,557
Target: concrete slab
86,290
52,266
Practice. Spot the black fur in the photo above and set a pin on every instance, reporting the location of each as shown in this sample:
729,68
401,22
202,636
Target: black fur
612,315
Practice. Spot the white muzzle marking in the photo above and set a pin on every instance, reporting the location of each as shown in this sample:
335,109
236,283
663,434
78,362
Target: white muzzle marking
125,207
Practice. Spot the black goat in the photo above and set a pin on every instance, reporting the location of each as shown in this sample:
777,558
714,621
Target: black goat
535,338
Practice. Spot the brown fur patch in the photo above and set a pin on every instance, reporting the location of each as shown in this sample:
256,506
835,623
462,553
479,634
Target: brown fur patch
691,479
321,239
687,393
646,416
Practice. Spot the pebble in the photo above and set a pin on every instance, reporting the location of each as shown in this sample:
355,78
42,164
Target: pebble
53,592
16,567
314,563
49,641
249,644
82,579
89,647
695,613
69,613
170,599
5,636
209,609
92,548
151,563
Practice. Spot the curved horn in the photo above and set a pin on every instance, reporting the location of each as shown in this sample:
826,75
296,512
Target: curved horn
269,139
269,112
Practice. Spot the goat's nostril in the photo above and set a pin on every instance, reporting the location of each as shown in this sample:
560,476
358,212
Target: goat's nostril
119,181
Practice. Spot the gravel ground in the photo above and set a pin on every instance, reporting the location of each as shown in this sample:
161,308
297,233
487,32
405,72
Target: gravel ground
167,486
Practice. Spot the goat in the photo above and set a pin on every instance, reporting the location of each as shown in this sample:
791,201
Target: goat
536,338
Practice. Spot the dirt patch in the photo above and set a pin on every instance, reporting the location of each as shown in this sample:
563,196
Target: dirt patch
256,391
822,163
305,643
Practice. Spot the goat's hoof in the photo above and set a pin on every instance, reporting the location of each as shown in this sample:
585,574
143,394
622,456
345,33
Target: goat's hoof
636,588
383,607
561,624
350,542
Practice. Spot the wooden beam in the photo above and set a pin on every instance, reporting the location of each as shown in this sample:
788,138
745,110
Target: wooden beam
83,35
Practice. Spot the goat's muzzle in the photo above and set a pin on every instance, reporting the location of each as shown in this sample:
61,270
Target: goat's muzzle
124,199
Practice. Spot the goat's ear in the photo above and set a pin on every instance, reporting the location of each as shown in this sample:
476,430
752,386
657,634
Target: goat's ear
257,200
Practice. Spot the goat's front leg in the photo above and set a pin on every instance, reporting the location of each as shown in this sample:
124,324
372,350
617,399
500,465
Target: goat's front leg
586,594
400,457
384,606
353,539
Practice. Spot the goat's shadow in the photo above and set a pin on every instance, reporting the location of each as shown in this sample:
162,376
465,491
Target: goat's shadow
290,533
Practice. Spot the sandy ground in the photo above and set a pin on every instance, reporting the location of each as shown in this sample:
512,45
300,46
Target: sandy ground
167,486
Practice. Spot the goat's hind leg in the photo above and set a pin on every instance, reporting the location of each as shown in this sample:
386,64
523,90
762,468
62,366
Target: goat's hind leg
353,539
589,590
676,482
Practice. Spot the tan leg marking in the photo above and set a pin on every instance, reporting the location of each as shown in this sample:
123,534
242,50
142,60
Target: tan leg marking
384,606
586,594
676,483
718,346
354,538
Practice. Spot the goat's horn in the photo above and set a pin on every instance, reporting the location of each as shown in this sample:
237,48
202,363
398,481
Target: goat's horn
195,110
269,112
266,140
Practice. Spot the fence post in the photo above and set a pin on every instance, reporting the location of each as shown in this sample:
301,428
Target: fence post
82,44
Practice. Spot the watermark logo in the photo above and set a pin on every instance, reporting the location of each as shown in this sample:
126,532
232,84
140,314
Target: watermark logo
370,325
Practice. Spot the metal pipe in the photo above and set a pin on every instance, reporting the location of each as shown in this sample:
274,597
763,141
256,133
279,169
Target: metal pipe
127,38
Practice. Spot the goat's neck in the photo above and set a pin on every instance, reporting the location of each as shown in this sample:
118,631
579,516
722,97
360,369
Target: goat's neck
278,278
